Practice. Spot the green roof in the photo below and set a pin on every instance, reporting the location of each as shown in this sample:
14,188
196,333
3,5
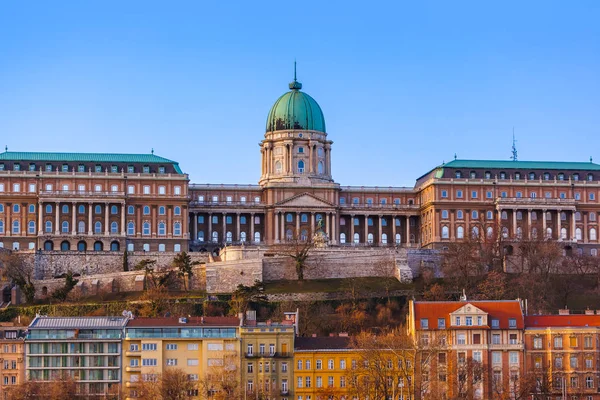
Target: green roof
295,110
87,157
524,165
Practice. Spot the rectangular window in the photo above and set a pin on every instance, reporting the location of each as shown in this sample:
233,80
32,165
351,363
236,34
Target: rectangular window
444,194
495,323
149,362
469,321
513,357
558,342
573,341
441,323
177,190
489,195
537,343
171,362
171,346
496,357
192,362
461,338
474,194
476,338
424,323
192,346
459,194
148,346
457,321
587,342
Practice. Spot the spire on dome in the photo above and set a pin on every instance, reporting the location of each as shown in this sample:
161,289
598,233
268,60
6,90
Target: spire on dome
295,85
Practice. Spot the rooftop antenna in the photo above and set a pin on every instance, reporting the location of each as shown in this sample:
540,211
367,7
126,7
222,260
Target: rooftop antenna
514,156
295,80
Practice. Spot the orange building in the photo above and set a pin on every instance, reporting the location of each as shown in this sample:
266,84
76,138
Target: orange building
12,357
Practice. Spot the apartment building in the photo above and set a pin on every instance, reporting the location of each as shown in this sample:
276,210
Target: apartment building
85,349
12,357
207,349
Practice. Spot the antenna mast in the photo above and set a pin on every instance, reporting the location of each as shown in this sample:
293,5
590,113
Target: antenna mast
514,156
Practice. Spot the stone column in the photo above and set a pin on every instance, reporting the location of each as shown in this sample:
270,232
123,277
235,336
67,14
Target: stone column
312,223
209,228
334,230
40,218
573,226
282,222
408,230
276,226
544,227
169,228
352,228
90,218
394,229
365,240
585,228
74,219
8,227
529,223
123,227
154,224
225,228
106,221
327,231
380,233
514,221
297,225
310,159
57,218
558,225
195,226
252,228
237,216
138,223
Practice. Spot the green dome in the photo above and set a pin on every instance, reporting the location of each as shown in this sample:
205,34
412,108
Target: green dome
296,110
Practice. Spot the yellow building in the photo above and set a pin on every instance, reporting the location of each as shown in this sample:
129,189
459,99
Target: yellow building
204,348
268,347
321,367
12,354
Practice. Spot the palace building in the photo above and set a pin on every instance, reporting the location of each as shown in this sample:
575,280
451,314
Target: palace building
142,202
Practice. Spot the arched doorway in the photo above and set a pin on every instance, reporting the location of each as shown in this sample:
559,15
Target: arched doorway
48,245
115,246
98,246
81,246
65,245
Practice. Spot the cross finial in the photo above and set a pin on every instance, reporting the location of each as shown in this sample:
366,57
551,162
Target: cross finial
455,156
295,80
152,151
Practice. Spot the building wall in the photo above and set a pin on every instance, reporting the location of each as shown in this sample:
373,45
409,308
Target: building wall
12,355
305,367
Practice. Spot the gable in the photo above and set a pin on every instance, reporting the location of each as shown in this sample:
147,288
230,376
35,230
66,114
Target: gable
469,309
304,200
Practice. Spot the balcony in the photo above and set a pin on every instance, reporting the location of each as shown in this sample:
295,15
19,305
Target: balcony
220,204
133,368
535,202
133,353
379,207
285,392
80,194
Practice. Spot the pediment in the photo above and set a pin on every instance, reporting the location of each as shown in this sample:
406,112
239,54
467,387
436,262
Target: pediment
469,309
305,200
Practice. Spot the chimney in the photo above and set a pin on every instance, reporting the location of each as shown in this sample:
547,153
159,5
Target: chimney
589,312
563,311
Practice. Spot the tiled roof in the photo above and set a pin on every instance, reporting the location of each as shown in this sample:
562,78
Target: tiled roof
507,164
322,343
501,310
572,320
78,322
191,321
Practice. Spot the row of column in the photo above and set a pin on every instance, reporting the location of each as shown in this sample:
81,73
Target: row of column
268,158
57,211
330,225
544,222
238,215
366,227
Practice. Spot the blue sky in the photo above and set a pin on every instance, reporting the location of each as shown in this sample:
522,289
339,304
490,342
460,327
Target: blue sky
403,85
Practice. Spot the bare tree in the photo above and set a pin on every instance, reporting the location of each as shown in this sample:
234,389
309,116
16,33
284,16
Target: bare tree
297,248
19,272
185,267
173,384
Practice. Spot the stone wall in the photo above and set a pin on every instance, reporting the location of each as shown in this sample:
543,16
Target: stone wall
224,277
418,259
51,264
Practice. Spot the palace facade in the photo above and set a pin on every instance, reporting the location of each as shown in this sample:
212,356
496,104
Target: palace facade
142,202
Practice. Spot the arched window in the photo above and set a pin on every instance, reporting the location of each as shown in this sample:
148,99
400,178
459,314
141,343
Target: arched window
504,215
228,219
98,227
578,235
519,215
460,232
242,220
593,234
475,232
590,177
1,226
130,210
370,221
546,176
304,218
146,210
444,214
472,174
592,216
356,238
31,227
577,216
65,227
489,215
98,246
201,236
243,236
563,233
81,209
370,238
65,209
161,210
548,233
31,208
48,208
398,238
289,218
130,228
561,177
65,246
563,216
531,175
48,227
16,208
304,234
300,167
256,220
16,228
533,215
81,227
320,168
548,216
114,227
534,233
504,232
229,237
48,245
383,222
489,232
161,229
98,210
177,228
289,235
114,246
277,167
161,247
81,246
445,232
146,228
383,238
177,210
257,237
519,232
397,221
215,237
459,214
342,221
474,214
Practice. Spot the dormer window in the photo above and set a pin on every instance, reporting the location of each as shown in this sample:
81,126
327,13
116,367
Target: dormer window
65,168
98,168
441,323
575,177
161,170
479,320
17,167
495,324
488,175
458,174
546,176
473,174
457,321
424,323
146,169
512,323
531,176
502,175
517,176
469,321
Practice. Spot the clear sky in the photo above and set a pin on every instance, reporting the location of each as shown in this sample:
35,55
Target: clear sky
403,85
